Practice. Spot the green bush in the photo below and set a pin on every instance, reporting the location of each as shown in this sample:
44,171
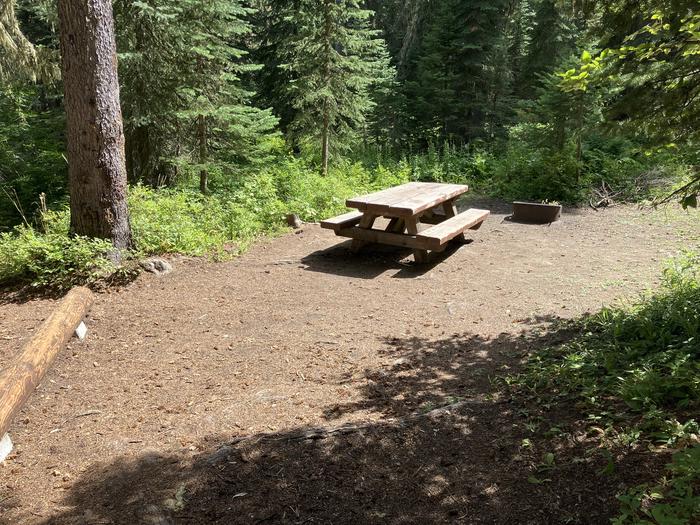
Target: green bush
52,259
169,221
187,222
646,355
523,173
313,197
528,167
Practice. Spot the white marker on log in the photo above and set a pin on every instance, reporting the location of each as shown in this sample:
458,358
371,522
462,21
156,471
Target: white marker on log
24,372
5,447
81,331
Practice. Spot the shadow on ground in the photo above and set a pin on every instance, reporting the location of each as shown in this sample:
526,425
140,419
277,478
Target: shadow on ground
425,374
479,461
21,292
372,261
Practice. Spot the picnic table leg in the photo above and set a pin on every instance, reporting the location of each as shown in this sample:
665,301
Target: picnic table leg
450,210
366,222
396,225
421,256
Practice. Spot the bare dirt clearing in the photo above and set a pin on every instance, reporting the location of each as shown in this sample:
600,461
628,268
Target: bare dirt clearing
127,426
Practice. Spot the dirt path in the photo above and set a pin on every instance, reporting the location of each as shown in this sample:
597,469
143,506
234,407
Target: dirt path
298,333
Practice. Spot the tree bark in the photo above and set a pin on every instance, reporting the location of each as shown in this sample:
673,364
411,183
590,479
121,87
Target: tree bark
96,162
203,173
324,145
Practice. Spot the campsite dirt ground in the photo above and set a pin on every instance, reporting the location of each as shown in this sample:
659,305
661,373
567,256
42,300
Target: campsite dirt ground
141,423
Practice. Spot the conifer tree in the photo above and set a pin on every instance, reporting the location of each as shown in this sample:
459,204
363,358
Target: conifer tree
95,136
552,40
183,70
451,88
334,59
274,25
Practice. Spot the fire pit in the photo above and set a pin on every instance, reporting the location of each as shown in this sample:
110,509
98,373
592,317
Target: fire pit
536,213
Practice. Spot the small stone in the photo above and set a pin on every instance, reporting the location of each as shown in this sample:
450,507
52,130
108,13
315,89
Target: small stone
156,266
220,455
5,447
81,331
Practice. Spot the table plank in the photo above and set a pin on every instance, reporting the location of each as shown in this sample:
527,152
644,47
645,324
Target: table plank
407,200
342,221
383,237
415,192
439,234
429,199
389,195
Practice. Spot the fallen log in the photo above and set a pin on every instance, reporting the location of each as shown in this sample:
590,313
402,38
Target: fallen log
20,377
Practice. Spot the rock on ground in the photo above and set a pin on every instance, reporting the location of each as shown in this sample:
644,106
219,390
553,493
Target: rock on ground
157,266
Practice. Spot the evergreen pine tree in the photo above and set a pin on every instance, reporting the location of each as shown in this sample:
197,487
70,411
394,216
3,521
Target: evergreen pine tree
452,86
553,39
334,60
272,23
183,70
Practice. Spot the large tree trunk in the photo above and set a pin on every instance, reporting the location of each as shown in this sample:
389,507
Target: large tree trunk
96,164
203,173
327,49
324,145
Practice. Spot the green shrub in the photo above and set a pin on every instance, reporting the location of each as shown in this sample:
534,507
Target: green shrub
523,173
52,259
529,167
646,355
187,222
169,221
674,500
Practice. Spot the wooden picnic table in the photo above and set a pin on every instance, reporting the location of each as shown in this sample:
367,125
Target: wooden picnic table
407,207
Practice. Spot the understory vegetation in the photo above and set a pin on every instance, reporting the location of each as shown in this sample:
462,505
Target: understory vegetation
236,211
635,371
218,225
237,207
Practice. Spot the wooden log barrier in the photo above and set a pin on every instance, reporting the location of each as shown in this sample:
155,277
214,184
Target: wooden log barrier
22,375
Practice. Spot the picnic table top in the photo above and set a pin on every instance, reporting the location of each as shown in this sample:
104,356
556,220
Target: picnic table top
408,199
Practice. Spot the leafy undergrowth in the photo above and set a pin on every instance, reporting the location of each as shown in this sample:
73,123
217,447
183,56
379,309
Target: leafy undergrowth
52,258
220,225
672,500
636,370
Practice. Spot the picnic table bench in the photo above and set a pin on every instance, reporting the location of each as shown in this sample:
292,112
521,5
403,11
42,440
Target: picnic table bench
408,207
